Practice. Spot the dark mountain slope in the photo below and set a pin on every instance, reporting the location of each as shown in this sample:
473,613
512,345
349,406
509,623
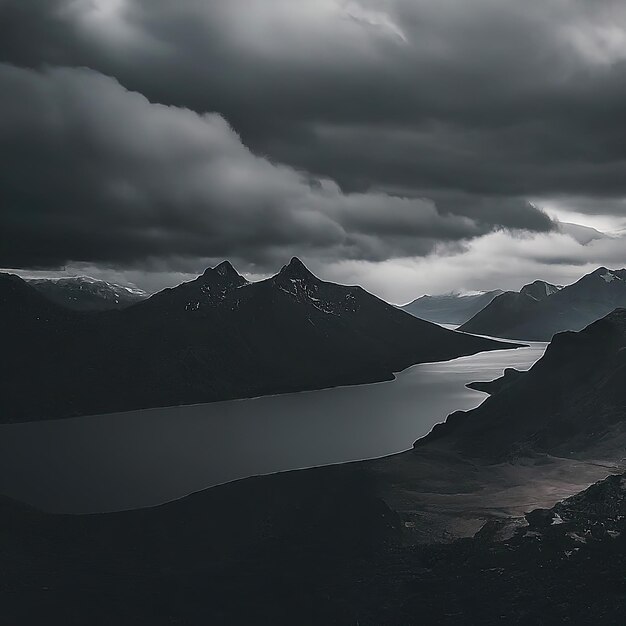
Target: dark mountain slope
21,303
572,402
573,307
450,309
82,293
214,338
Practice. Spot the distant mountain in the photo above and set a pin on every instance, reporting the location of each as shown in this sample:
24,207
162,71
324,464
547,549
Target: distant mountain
497,315
537,314
450,308
214,338
539,290
82,293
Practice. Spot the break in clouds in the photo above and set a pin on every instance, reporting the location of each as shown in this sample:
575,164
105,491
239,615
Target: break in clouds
381,141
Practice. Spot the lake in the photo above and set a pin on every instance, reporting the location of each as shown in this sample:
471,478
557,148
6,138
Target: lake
141,458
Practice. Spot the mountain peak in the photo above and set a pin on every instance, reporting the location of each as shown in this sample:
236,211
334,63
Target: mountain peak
224,272
225,268
606,274
539,289
296,269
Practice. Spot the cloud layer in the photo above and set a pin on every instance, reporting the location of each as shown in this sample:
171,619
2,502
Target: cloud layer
352,132
93,172
483,97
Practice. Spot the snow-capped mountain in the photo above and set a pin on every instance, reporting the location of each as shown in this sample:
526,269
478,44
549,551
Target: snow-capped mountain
83,293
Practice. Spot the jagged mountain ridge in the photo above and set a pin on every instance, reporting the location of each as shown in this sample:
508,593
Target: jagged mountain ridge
524,316
215,338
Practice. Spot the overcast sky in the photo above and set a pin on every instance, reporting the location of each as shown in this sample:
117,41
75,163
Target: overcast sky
411,146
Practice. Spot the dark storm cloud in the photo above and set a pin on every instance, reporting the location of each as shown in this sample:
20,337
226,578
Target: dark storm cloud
483,97
476,106
93,172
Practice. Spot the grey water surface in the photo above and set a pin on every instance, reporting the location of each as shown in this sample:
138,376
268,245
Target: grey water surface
142,458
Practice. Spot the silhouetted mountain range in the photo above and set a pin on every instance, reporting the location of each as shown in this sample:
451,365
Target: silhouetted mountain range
450,308
217,337
83,293
540,310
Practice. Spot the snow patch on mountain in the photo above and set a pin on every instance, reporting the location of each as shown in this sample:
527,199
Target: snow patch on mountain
609,277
